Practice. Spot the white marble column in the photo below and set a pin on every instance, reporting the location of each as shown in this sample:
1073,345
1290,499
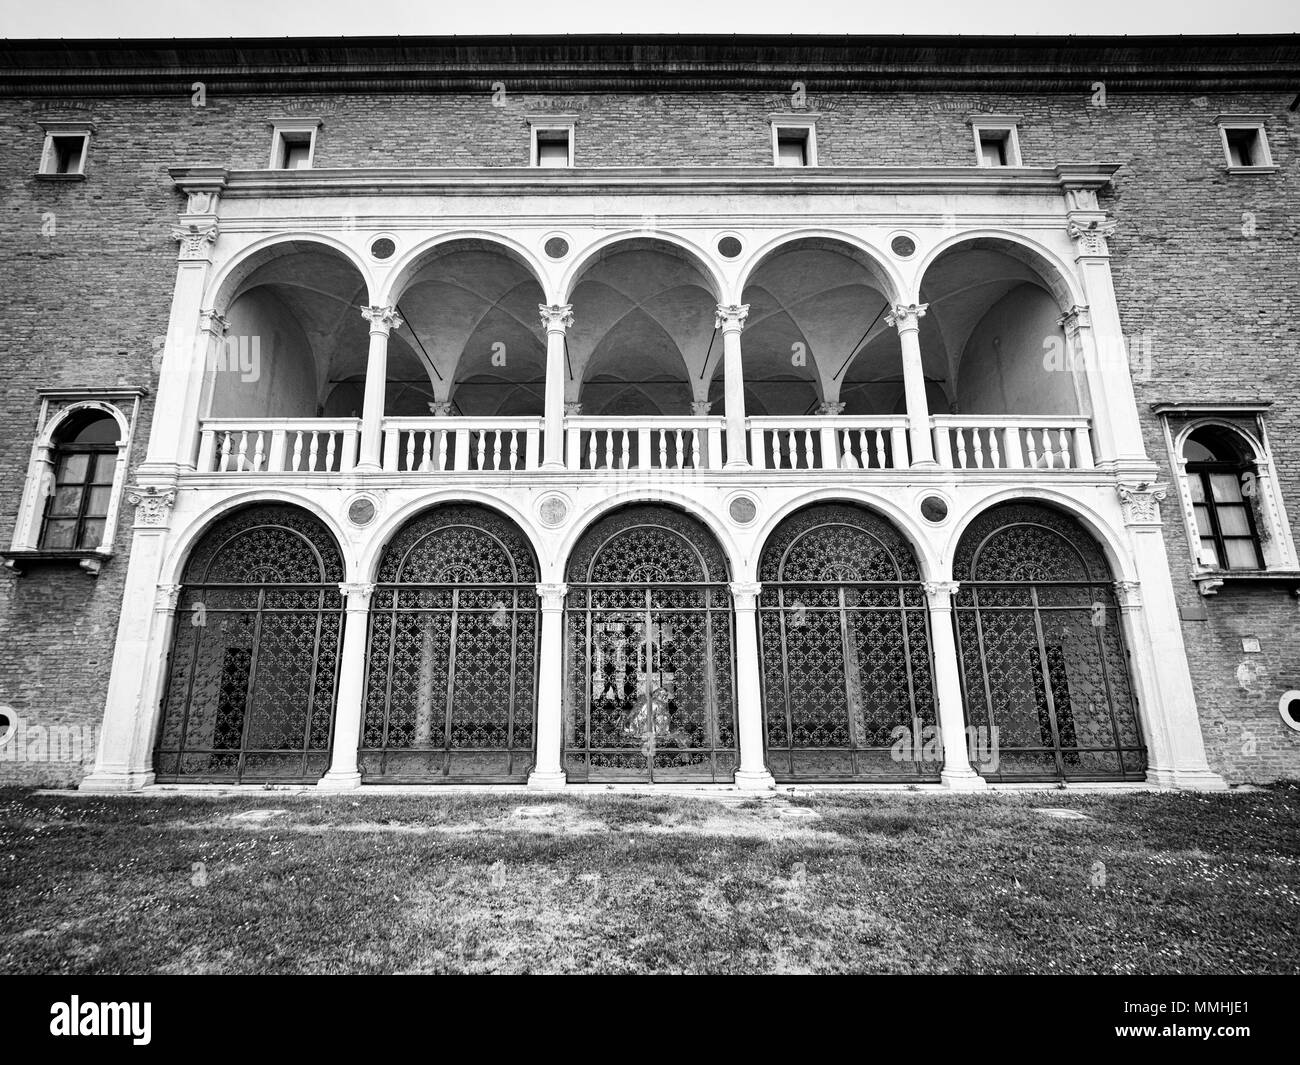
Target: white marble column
382,321
957,772
906,318
731,320
343,773
548,773
556,320
753,773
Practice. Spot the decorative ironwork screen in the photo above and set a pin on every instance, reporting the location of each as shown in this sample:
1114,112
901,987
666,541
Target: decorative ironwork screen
649,689
451,670
847,685
250,689
1042,652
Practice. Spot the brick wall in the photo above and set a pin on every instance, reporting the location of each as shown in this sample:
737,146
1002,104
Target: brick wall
85,304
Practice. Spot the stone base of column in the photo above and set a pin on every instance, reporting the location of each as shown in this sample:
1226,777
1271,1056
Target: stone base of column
129,780
761,781
736,464
926,464
367,467
552,466
1187,779
962,780
552,781
332,781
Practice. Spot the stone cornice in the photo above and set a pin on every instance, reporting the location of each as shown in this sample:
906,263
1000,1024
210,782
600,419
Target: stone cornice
471,181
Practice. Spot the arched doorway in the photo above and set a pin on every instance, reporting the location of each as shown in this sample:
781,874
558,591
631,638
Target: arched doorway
846,651
1043,659
451,673
649,686
250,689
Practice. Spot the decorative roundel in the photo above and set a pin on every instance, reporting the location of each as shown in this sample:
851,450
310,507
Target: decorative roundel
361,511
556,247
1289,707
934,509
729,247
553,509
383,247
903,246
742,509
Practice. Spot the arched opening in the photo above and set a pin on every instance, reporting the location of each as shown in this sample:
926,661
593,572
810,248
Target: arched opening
470,314
643,325
1222,479
1043,661
294,334
847,677
991,337
816,332
451,672
250,691
83,463
649,688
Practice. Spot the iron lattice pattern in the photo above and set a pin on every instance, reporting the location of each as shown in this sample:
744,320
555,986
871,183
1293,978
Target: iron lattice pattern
452,659
847,684
1042,651
649,691
250,692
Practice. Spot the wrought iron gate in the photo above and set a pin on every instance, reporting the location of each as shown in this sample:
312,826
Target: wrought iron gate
1043,660
847,688
252,674
649,679
452,656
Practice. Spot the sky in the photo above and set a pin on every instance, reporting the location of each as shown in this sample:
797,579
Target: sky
297,18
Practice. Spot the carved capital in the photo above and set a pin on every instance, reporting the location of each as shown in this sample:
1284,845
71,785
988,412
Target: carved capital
1091,235
382,319
196,239
552,595
166,598
906,315
745,593
730,318
1128,594
831,408
153,505
1141,502
939,593
557,317
356,594
212,322
572,409
1074,319
440,408
700,407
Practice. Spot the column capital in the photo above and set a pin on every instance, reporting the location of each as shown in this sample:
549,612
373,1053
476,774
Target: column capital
831,408
730,318
440,408
1128,594
747,591
552,595
1090,234
153,504
212,322
1074,319
196,236
906,315
1141,501
700,407
357,594
939,593
381,319
166,598
572,408
557,317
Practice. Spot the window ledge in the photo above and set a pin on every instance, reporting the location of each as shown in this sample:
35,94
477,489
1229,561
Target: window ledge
1252,169
21,560
1208,581
60,177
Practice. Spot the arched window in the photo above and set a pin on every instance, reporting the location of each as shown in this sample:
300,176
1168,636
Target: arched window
84,460
1222,479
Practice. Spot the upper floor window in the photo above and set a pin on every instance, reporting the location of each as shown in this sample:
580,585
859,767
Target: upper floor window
794,140
1245,143
65,150
551,141
84,459
997,139
293,143
1222,481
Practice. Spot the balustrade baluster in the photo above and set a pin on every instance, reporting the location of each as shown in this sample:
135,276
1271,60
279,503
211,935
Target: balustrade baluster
330,443
1065,448
312,449
960,434
224,464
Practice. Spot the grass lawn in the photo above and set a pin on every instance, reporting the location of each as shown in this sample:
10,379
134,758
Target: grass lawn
901,882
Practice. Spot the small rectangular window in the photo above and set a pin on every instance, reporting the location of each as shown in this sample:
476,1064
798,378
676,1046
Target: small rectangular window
553,148
64,154
792,147
293,144
997,139
993,148
1245,143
